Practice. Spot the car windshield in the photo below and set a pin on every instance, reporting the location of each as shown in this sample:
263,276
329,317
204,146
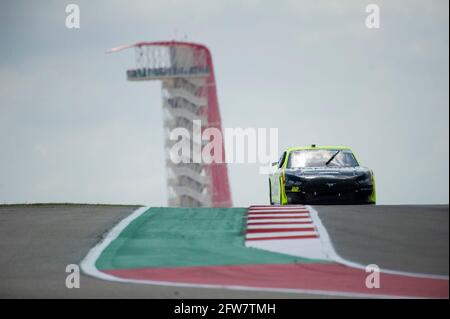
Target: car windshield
321,158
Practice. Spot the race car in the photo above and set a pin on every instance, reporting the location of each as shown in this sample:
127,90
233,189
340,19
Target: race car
325,174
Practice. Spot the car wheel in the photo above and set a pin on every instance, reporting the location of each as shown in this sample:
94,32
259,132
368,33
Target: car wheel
280,194
270,193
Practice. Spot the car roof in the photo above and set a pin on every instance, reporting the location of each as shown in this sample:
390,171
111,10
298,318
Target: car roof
301,148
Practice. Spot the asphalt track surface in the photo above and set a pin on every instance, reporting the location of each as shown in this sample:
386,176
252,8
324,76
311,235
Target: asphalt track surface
38,242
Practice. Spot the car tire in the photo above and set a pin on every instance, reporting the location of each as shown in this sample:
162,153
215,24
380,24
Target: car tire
280,194
270,193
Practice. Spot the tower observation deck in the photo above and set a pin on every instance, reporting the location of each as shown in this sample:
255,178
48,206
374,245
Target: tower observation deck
188,93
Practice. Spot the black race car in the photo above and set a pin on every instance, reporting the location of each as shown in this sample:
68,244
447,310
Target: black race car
326,174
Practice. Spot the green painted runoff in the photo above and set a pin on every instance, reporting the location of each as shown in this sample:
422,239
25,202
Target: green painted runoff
180,237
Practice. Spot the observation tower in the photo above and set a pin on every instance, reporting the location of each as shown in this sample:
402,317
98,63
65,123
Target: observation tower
188,93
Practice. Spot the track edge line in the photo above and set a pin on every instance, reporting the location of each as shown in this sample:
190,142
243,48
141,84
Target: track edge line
330,251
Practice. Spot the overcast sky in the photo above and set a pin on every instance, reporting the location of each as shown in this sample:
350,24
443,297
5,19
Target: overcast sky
72,129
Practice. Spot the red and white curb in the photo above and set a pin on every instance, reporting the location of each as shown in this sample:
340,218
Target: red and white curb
284,229
297,230
302,235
